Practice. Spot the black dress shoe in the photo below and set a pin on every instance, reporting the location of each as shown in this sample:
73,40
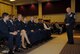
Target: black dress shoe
70,42
24,48
11,52
18,50
29,45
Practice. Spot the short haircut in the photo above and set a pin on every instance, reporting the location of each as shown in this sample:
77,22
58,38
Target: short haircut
4,14
24,16
69,7
19,14
40,19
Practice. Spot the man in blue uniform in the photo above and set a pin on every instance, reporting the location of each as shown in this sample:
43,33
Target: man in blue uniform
40,24
32,31
4,32
69,22
31,24
12,28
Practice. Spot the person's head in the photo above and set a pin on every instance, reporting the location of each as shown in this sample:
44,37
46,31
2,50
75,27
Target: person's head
68,9
40,20
44,21
5,16
35,20
24,19
20,17
47,21
13,17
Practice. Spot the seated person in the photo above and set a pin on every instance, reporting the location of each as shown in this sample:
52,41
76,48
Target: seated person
20,28
31,24
46,25
32,30
58,27
8,35
34,33
45,30
12,28
40,24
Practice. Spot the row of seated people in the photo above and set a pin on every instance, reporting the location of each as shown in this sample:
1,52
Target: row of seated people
58,28
18,31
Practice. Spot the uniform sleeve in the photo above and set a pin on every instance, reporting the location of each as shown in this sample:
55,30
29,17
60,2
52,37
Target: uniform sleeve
3,31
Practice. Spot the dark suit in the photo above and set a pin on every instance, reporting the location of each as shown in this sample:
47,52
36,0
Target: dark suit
19,25
32,35
4,32
32,25
70,19
12,28
45,34
40,26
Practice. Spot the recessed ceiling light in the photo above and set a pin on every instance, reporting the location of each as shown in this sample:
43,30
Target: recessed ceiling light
12,0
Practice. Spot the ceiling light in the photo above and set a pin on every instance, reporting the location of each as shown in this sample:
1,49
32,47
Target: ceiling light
12,0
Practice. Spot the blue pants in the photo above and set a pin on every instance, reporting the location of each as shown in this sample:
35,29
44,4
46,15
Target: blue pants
70,34
11,40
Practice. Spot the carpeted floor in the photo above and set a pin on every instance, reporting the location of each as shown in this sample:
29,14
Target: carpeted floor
72,49
33,47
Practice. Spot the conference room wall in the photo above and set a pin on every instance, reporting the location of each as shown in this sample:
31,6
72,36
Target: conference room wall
56,17
53,17
78,17
5,7
59,17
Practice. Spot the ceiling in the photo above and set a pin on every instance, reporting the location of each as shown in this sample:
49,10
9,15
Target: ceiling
20,2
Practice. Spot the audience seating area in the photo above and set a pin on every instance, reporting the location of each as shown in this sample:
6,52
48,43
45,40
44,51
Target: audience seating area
35,37
42,35
57,30
39,36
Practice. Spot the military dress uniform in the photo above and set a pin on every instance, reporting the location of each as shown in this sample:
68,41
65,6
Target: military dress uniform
4,32
69,22
12,28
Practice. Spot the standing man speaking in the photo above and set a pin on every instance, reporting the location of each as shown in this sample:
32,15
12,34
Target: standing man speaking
69,22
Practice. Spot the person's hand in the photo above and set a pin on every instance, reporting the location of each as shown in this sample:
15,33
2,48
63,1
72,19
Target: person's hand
32,30
13,33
